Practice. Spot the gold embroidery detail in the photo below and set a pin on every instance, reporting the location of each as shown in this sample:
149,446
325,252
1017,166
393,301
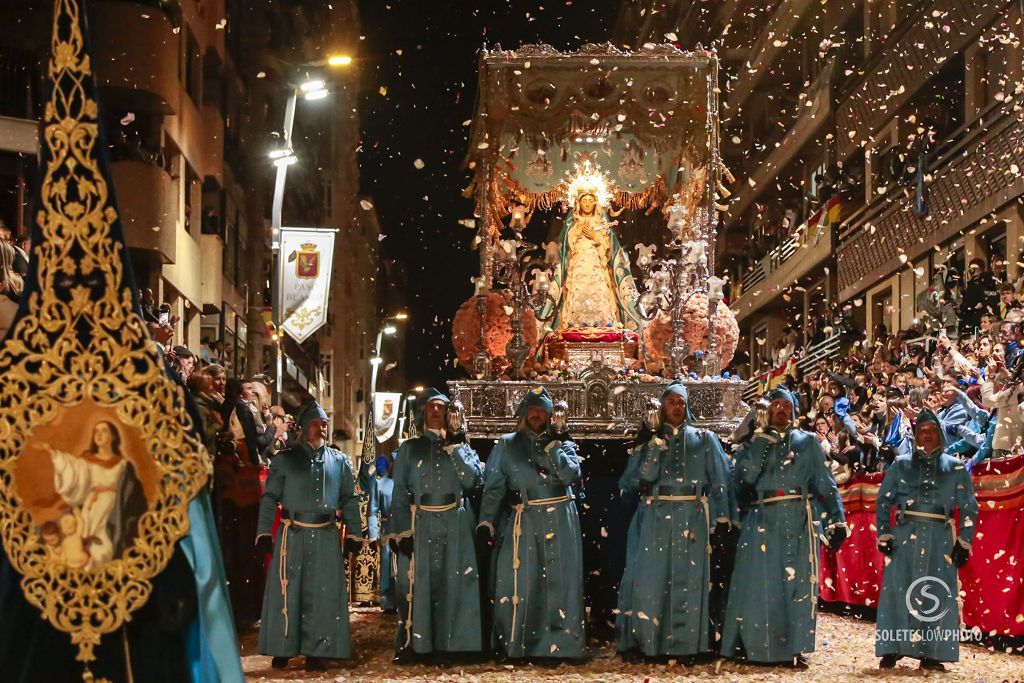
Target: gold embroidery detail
80,343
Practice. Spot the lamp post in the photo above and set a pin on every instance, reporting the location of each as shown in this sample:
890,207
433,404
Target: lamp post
403,413
283,157
387,329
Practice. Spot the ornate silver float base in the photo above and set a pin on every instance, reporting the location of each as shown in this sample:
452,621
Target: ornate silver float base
599,407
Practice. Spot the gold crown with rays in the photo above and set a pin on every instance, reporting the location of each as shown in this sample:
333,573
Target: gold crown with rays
587,178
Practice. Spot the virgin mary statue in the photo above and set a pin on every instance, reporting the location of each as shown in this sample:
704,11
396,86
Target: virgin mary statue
596,288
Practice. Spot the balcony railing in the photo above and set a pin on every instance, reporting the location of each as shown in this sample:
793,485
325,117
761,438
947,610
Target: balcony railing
764,267
822,351
971,176
914,52
779,153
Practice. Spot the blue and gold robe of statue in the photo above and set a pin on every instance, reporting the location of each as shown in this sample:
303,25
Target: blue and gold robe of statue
787,494
429,504
538,569
924,490
305,606
682,477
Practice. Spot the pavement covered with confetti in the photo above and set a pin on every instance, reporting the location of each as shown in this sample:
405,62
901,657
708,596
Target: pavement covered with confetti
845,653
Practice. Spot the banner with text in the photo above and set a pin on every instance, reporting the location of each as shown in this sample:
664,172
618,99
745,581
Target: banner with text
305,279
385,414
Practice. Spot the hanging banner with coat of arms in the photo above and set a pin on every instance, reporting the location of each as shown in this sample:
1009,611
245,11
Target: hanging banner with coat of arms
305,279
385,414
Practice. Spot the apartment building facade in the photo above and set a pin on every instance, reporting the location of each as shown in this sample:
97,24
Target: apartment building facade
872,142
193,95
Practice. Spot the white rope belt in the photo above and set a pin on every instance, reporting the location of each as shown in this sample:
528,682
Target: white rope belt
282,566
517,532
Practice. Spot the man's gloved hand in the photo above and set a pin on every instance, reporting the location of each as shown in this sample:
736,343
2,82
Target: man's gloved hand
264,545
643,435
561,436
352,546
456,437
835,536
959,554
406,546
393,544
484,537
886,545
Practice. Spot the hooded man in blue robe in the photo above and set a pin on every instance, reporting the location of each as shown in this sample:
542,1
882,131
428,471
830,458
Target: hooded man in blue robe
786,494
538,571
437,579
683,478
305,605
918,612
378,522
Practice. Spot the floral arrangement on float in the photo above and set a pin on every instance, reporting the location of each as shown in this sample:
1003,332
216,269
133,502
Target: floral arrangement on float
658,333
495,330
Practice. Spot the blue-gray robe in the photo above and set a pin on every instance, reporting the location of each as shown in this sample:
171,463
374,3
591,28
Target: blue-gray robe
664,601
305,610
378,521
933,484
445,586
538,569
772,605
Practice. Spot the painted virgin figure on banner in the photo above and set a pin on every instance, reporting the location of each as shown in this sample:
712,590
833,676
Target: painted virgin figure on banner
102,496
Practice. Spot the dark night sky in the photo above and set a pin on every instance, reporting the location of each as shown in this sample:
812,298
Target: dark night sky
430,93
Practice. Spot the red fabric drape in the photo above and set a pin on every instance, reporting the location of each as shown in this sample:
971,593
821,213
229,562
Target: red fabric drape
993,580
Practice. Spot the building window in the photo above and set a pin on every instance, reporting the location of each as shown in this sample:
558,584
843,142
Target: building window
992,248
327,365
758,348
881,157
191,204
192,68
881,312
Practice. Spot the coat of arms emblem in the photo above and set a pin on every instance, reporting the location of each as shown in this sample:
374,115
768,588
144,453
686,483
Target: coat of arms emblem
307,265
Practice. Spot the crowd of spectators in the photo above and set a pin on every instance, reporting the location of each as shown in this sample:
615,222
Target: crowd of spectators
242,429
962,359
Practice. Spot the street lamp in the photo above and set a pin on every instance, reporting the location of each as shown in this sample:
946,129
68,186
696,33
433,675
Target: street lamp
283,158
376,359
404,413
387,329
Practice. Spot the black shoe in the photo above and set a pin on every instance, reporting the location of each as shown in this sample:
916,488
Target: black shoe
888,661
546,662
315,664
279,662
388,610
799,662
404,657
633,656
443,660
931,664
